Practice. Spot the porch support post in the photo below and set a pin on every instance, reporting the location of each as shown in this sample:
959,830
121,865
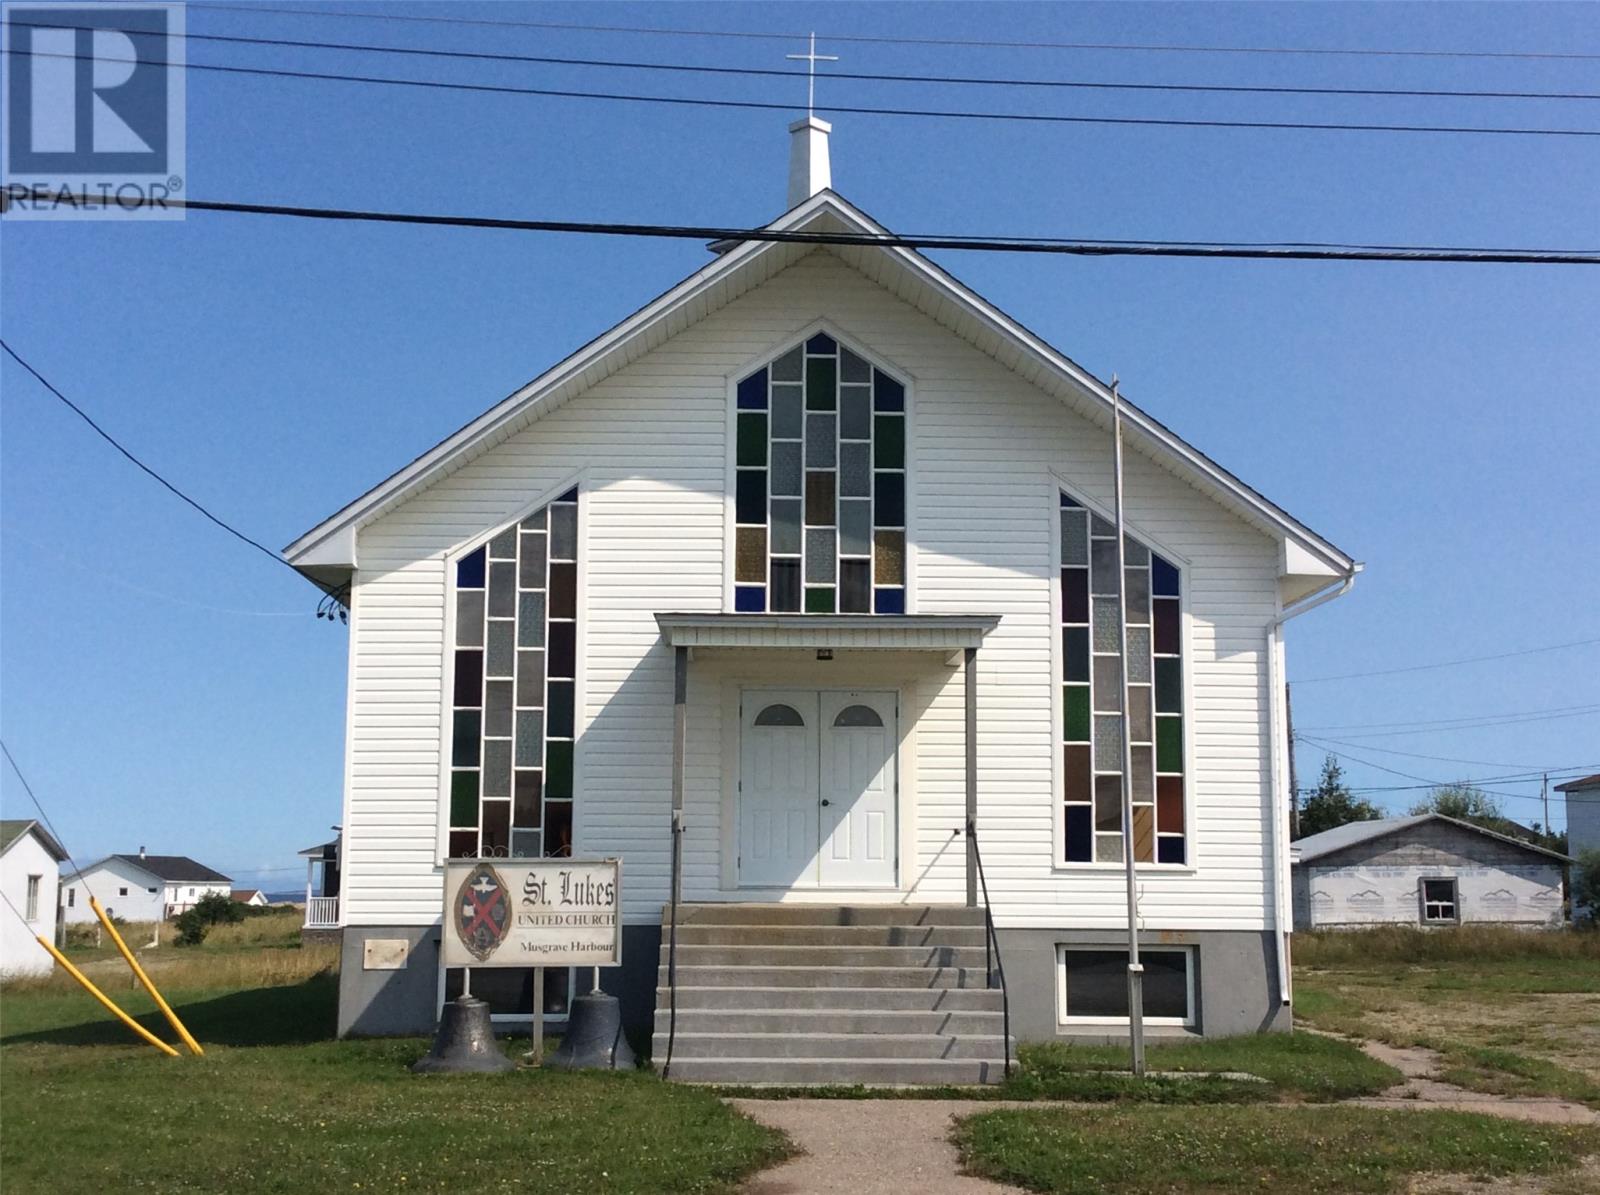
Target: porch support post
680,737
972,775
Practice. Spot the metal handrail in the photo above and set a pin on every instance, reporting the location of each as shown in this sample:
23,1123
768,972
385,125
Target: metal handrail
672,943
993,964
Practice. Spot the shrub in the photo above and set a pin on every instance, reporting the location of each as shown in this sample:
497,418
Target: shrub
218,908
1586,889
192,927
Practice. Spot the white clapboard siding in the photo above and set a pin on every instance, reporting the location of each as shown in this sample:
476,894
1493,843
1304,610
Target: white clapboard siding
986,450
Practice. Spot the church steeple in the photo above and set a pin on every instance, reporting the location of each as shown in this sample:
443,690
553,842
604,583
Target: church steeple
809,169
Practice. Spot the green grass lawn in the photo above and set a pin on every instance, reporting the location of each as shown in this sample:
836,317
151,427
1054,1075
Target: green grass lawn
1311,1151
274,1106
1512,1012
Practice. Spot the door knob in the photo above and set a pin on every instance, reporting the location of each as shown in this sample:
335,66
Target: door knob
825,801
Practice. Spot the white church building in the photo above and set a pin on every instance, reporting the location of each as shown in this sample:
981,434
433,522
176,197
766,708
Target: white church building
797,591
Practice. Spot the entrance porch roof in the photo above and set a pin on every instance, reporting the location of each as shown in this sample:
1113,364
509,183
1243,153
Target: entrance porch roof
852,632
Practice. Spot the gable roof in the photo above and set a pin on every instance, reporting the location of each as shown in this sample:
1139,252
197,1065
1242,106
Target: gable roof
12,831
174,869
327,552
1314,846
1580,786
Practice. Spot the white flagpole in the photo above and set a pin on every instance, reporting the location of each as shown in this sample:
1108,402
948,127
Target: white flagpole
1135,968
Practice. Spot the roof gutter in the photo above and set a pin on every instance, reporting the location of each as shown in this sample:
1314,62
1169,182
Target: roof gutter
1278,747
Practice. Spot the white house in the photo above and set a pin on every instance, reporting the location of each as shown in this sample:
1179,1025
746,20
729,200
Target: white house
29,856
251,897
1427,870
845,524
141,887
1583,814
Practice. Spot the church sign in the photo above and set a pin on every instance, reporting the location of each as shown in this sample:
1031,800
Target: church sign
532,913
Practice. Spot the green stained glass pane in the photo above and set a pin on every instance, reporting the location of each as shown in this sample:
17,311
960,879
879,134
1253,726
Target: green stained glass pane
1076,723
1169,687
822,390
1169,744
463,798
889,441
752,438
468,731
819,600
558,769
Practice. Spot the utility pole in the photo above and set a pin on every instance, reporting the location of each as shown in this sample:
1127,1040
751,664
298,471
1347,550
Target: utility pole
1544,794
1135,968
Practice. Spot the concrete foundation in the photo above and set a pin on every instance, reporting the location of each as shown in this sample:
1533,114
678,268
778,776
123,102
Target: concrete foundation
1236,982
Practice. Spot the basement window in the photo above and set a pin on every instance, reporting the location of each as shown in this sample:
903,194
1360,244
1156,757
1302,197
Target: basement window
1439,902
1092,985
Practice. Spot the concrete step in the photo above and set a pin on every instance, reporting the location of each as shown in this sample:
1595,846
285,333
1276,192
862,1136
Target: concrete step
823,914
896,1046
765,972
835,957
885,999
699,934
809,1072
829,1021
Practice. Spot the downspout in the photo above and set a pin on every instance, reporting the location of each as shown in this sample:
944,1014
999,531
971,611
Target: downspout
1277,745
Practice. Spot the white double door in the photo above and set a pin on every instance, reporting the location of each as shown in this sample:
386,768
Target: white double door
817,789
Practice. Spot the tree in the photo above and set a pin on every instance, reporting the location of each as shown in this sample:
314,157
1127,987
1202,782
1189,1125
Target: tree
1465,804
1332,804
1586,889
214,908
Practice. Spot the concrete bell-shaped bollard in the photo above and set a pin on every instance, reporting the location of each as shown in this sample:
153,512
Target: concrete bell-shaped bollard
465,1042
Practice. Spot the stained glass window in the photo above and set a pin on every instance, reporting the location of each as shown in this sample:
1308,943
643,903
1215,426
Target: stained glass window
820,494
1092,747
512,724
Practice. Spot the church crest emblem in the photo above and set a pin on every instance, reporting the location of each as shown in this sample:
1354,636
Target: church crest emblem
482,912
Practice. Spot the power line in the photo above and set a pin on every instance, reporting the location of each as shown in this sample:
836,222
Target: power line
1505,655
1485,725
165,484
1426,783
1513,714
851,76
45,817
1487,763
903,41
1285,252
854,110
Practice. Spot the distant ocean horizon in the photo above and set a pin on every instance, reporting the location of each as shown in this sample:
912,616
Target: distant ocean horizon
294,895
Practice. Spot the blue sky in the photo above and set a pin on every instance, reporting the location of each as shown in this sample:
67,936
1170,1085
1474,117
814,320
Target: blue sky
163,685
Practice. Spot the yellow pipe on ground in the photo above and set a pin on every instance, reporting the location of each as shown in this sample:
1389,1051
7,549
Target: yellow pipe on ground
139,974
103,998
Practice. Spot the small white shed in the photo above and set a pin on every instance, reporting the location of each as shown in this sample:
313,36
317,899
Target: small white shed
1425,870
29,857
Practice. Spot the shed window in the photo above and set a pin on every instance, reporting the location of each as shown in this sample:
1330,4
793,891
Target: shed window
513,717
32,913
1092,695
1093,984
780,715
1439,900
820,492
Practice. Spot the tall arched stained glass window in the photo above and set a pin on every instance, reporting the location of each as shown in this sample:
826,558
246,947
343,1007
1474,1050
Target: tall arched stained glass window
820,501
1092,695
516,634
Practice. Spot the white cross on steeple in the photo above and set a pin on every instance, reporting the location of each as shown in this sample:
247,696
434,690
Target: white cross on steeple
811,59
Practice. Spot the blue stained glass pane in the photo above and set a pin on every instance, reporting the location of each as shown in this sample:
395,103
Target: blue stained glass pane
570,496
887,394
1067,502
753,392
1163,577
751,496
1169,849
891,496
889,601
750,599
821,343
1080,834
470,571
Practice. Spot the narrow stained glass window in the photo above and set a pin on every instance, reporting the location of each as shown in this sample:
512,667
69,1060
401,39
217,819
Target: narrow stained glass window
513,722
820,487
1094,694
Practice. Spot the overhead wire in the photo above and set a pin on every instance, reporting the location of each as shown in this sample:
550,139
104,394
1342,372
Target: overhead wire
1504,655
907,41
839,75
856,110
1287,252
1513,715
